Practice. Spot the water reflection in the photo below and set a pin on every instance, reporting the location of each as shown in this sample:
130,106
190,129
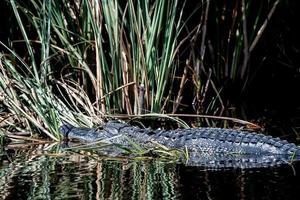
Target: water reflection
266,183
36,173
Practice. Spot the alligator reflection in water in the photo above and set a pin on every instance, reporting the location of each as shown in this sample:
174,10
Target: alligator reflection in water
210,147
34,173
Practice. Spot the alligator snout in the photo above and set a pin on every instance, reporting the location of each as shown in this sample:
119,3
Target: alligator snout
65,129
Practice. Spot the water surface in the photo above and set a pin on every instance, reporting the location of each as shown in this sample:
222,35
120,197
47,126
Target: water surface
48,172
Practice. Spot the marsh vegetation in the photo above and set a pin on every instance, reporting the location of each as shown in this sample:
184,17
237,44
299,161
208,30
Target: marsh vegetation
81,61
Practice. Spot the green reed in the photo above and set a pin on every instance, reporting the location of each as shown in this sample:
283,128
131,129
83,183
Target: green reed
95,56
84,60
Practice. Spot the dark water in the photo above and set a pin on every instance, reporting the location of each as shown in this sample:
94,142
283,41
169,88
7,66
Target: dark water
36,173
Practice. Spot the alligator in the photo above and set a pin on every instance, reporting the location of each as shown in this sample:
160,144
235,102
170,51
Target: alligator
208,147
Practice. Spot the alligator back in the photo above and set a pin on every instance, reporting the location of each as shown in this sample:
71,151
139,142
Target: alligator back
216,140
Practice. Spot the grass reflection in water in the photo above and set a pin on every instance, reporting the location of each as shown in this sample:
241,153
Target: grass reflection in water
33,173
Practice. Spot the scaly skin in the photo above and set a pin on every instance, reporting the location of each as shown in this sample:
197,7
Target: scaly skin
205,145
